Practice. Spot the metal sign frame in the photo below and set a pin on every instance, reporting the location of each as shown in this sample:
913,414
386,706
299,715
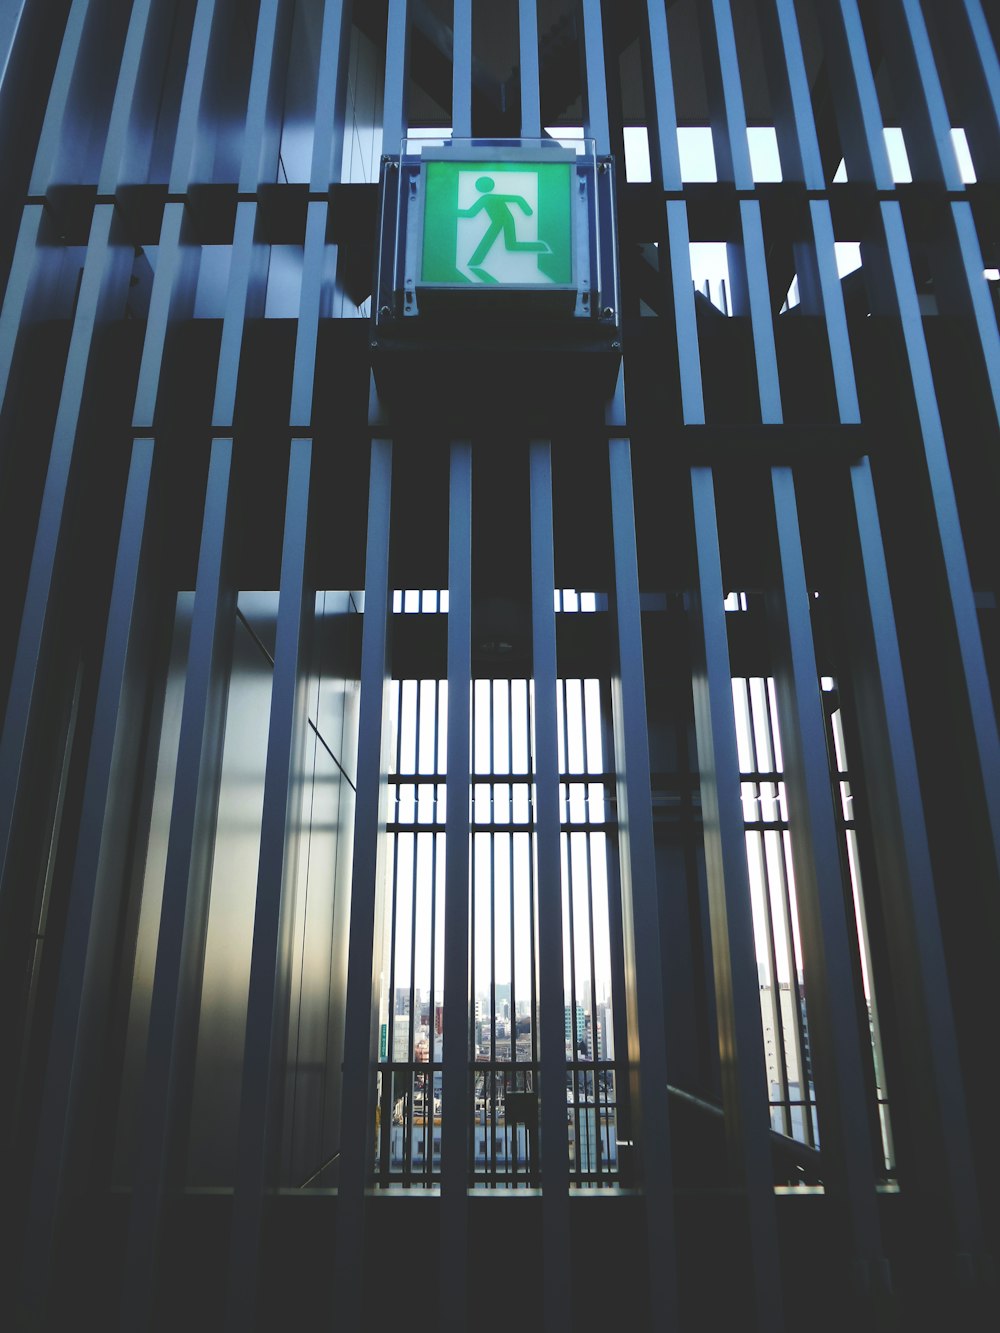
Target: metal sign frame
583,310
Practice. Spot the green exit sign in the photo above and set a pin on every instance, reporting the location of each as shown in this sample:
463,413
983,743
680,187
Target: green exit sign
502,243
502,224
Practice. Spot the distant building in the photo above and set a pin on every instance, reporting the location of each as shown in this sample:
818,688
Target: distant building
576,1031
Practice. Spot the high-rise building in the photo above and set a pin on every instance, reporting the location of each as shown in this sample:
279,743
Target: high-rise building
575,1027
580,613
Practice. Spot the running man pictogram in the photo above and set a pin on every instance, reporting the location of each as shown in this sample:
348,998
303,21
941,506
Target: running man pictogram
498,224
499,209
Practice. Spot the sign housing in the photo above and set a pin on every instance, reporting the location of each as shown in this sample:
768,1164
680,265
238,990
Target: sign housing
484,235
497,264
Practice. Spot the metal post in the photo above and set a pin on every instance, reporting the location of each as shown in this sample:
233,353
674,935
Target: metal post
557,1295
644,984
596,118
367,888
21,303
725,94
270,963
858,116
124,158
455,1044
397,53
925,120
976,56
188,118
664,150
737,997
50,140
795,126
244,300
262,127
172,299
848,1153
828,298
759,310
461,88
313,302
331,95
974,299
531,107
685,316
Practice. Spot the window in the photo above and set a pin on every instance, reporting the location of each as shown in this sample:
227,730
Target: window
503,1026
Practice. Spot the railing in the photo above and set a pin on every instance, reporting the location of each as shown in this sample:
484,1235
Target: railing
503,1138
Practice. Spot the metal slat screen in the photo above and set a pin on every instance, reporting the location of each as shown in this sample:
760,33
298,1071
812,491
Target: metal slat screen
503,1019
712,875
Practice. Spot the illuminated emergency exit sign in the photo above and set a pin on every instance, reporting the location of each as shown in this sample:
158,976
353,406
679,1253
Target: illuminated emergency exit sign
502,242
499,224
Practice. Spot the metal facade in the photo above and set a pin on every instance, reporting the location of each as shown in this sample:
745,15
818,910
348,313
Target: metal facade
791,493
